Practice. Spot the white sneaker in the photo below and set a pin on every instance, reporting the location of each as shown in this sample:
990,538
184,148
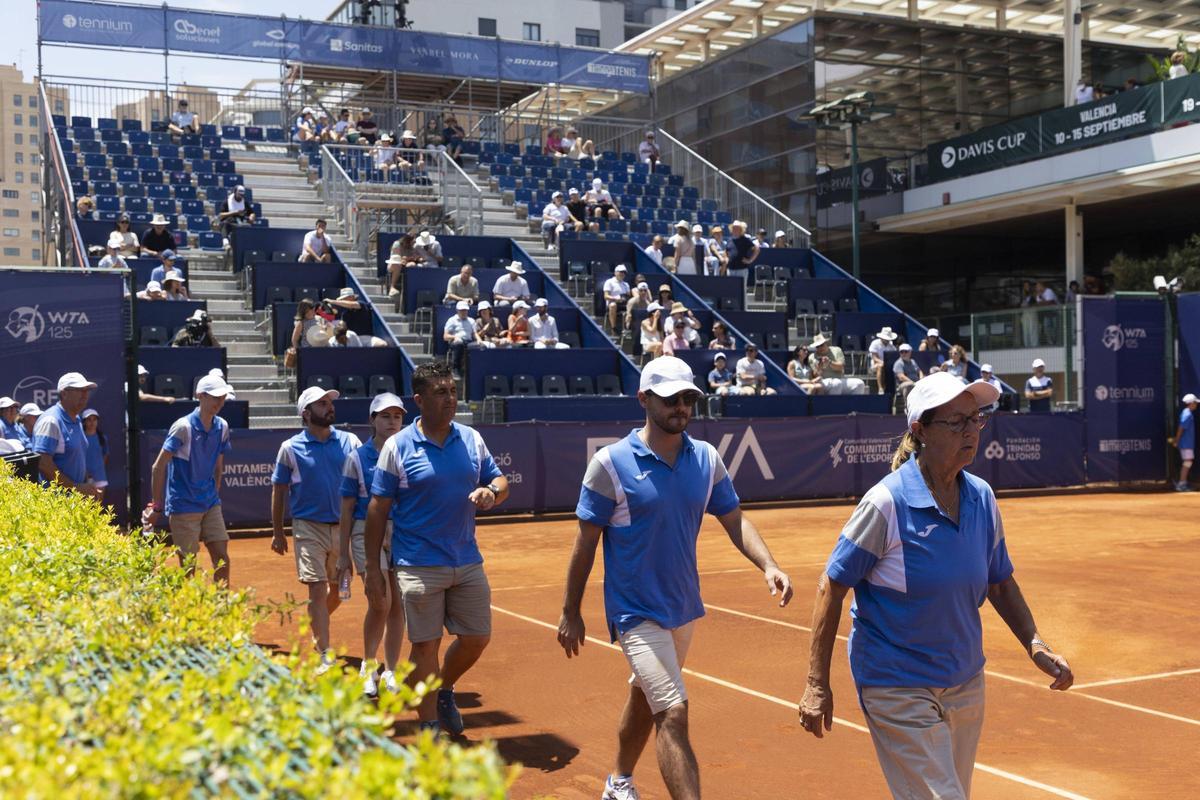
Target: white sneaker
619,789
328,661
388,679
370,687
393,292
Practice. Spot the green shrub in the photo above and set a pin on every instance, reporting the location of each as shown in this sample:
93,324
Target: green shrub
122,677
1137,274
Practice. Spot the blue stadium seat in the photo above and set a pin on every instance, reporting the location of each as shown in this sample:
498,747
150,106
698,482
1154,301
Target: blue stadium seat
81,122
72,158
192,207
262,222
217,153
224,167
198,222
99,174
107,216
253,133
110,136
123,162
131,125
79,187
83,134
88,147
164,206
193,153
152,176
189,138
206,179
187,192
138,137
140,218
134,190
210,241
168,151
181,240
116,149
59,120
158,190
230,181
276,136
231,132
133,204
108,203
211,140
172,164
95,160
208,130
159,138
148,162
104,187
141,149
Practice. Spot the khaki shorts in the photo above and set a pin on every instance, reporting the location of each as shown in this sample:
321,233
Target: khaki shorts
189,530
656,656
358,547
456,598
315,545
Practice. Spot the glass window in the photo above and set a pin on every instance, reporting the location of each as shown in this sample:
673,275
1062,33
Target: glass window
12,251
58,106
35,177
18,157
11,233
19,176
35,235
11,194
33,139
487,27
18,99
35,158
33,101
35,254
33,120
36,216
531,31
19,138
35,196
12,212
587,37
18,119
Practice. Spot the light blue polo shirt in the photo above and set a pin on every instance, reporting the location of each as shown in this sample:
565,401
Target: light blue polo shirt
433,522
191,481
61,436
96,452
15,431
25,437
651,515
313,469
1187,421
357,476
919,580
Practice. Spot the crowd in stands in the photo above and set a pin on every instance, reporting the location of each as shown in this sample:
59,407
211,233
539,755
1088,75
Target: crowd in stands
316,126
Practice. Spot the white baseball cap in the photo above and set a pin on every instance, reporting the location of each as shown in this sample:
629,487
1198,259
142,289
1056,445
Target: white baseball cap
31,408
153,286
620,268
311,395
483,304
89,412
556,194
74,380
7,402
1187,398
541,302
213,385
597,182
462,305
653,305
906,347
779,233
697,227
386,400
520,304
719,357
667,375
115,240
173,275
985,368
939,388
199,315
643,285
142,370
932,332
1037,362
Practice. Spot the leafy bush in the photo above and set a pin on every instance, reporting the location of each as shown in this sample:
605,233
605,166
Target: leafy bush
1137,274
1162,66
122,677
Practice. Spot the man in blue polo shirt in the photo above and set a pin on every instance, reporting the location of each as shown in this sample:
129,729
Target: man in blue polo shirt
10,411
647,496
431,478
59,438
308,479
188,472
1185,440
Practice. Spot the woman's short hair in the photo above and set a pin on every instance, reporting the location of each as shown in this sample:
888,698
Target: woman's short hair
304,306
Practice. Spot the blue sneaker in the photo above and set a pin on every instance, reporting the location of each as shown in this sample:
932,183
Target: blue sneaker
448,713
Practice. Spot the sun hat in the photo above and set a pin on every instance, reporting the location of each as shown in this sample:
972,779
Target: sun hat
199,315
556,194
697,227
311,395
779,233
886,334
653,306
386,400
408,135
664,287
1037,362
819,340
346,291
214,386
678,308
158,219
74,380
939,388
462,305
1187,398
683,223
173,275
666,376
516,268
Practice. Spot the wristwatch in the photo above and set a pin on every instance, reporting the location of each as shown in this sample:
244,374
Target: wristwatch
494,489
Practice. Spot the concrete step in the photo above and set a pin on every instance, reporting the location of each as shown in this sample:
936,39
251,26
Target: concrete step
253,372
265,397
273,166
288,421
257,349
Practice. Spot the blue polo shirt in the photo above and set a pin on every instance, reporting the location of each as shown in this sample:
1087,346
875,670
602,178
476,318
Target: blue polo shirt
96,451
313,469
191,480
61,436
433,522
25,437
651,515
357,476
15,431
1187,421
1035,384
919,580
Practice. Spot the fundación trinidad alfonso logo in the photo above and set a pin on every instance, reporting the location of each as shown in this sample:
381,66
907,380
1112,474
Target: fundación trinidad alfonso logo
26,322
994,450
949,156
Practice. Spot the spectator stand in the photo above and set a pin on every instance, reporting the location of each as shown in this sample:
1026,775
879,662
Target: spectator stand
356,372
159,320
524,371
272,281
254,245
174,372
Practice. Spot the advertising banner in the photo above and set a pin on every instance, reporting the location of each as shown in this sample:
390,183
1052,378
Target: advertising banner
232,35
1030,450
985,149
1124,341
833,187
1123,114
73,22
1188,315
622,72
1181,99
59,322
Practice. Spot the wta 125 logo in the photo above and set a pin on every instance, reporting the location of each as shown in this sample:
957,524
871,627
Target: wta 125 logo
28,324
1116,338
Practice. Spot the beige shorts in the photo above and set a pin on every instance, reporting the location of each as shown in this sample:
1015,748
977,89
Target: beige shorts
458,599
358,547
656,656
189,530
315,545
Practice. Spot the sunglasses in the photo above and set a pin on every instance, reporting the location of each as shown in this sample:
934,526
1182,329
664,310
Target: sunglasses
687,398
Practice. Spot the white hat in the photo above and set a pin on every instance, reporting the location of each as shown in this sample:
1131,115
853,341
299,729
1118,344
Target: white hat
89,412
886,334
115,240
779,233
516,268
667,375
819,340
386,400
30,409
556,194
985,368
158,219
541,302
7,402
462,305
719,357
697,227
306,110
644,285
212,385
683,223
906,347
311,395
939,388
482,305
737,223
173,275
199,315
653,306
346,291
425,238
386,137
216,371
932,332
74,380
1187,398
520,304
597,182
153,286
620,268
239,189
1037,362
142,370
408,135
572,190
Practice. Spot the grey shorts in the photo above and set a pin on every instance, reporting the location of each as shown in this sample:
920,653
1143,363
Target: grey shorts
458,599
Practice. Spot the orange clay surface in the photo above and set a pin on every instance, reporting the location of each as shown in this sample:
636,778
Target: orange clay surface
1111,578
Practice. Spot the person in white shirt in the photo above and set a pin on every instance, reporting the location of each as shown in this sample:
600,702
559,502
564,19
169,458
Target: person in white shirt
648,152
130,246
985,375
305,128
716,259
1084,93
383,154
543,330
317,246
429,248
1044,295
680,312
761,240
459,333
600,202
616,295
554,217
1178,68
183,121
511,286
576,146
685,250
153,291
752,373
343,127
780,240
654,250
883,343
113,259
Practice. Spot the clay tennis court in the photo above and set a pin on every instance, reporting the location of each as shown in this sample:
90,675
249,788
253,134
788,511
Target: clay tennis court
1110,578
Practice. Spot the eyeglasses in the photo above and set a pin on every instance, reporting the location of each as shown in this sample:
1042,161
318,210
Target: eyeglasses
959,424
687,399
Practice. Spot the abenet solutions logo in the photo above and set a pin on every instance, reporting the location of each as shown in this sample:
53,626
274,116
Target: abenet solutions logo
188,31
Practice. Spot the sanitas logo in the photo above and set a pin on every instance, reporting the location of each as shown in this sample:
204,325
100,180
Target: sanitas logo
97,24
340,45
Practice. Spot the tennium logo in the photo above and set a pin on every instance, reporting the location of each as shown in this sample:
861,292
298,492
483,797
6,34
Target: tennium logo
103,24
1125,394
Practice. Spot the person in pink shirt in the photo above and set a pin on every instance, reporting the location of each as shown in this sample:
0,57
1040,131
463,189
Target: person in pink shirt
677,340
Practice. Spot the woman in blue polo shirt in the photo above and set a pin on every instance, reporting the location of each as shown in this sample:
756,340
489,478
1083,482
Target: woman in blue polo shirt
922,551
97,451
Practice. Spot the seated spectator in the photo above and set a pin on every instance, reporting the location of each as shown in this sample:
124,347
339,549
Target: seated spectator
173,288
780,240
801,373
676,338
459,333
408,149
431,136
343,128
404,256
347,300
576,146
722,339
665,298
577,208
720,379
907,372
10,413
932,343
743,251
366,128
956,365
183,121
29,414
716,259
685,250
463,286
680,312
1039,389
616,295
311,329
453,137
235,211
323,131
304,129
344,337
153,291
761,239
828,364
700,246
986,375
166,264
145,396
429,248
511,287
648,152
196,332
518,324
130,246
317,247
487,328
157,238
883,343
555,217
752,373
383,155
600,202
543,330
1072,292
654,249
84,208
641,299
113,259
652,335
554,146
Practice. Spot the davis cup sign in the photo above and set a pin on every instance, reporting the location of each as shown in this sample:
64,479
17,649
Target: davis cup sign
982,150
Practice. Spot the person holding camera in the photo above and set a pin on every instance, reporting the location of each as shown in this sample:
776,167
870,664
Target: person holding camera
196,332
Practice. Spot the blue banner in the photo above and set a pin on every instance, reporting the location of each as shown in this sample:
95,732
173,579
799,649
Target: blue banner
1188,316
231,35
59,322
103,25
1124,341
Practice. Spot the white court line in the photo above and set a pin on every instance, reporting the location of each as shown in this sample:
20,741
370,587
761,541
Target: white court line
1074,692
1045,787
1137,678
599,581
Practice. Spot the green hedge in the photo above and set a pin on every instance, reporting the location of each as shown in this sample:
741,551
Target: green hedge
121,677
